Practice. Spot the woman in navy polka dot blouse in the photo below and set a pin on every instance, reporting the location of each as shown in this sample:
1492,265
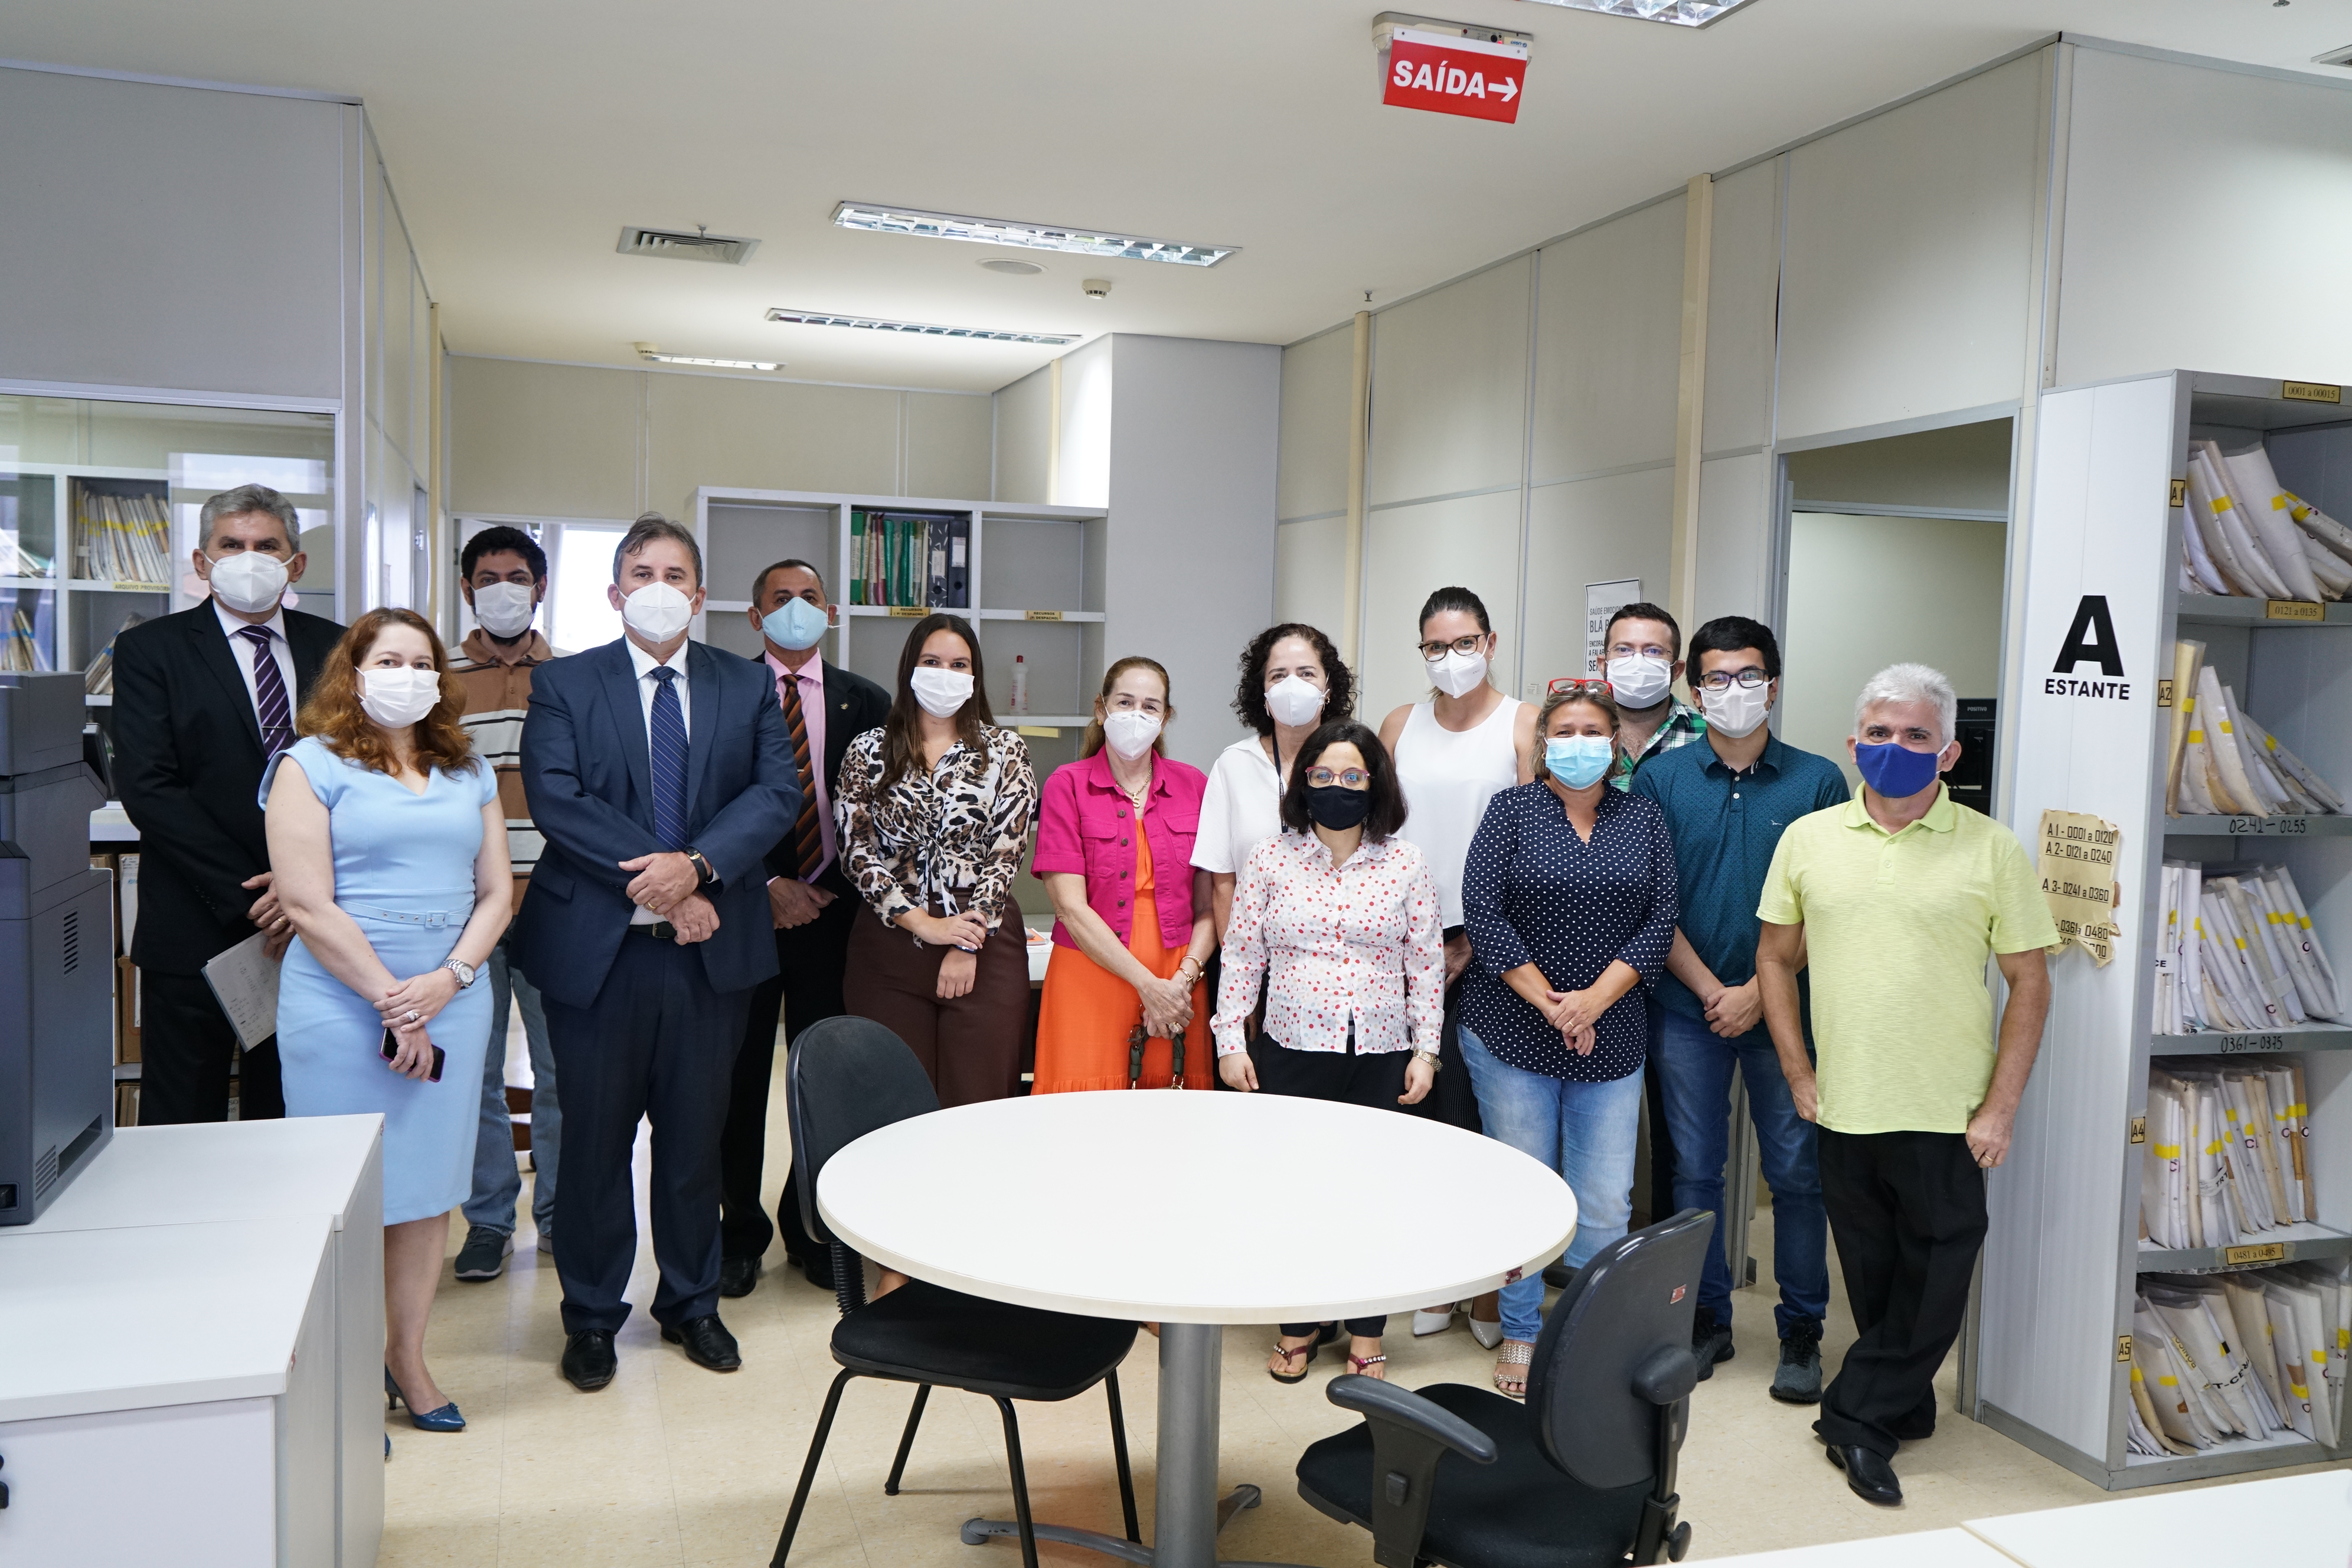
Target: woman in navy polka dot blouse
1571,897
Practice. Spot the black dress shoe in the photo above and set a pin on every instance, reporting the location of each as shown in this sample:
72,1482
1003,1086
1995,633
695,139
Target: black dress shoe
705,1341
1869,1476
738,1276
588,1360
818,1270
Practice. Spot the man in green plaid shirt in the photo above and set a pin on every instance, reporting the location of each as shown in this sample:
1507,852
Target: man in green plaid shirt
1642,657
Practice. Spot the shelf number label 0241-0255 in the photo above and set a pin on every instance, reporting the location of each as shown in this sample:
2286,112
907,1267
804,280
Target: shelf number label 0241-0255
2077,863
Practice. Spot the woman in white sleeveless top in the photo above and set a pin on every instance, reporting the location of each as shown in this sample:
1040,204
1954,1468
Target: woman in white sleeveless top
1453,750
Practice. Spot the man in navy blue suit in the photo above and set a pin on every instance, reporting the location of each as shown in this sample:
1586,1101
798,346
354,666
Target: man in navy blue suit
660,773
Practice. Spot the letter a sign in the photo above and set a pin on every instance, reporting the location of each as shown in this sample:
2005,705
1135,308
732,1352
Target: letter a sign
1447,74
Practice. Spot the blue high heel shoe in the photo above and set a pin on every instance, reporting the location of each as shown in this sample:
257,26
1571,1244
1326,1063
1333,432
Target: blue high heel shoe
445,1419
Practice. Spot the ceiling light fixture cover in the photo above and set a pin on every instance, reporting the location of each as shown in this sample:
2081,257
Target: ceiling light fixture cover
677,245
1677,13
881,219
914,329
647,351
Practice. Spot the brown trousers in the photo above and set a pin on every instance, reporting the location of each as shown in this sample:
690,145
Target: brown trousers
970,1046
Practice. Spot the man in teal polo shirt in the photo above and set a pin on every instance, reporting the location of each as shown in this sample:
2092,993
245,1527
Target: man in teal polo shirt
1726,802
1898,899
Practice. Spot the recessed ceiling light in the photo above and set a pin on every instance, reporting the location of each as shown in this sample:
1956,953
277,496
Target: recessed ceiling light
647,351
1678,13
1027,235
1011,268
914,329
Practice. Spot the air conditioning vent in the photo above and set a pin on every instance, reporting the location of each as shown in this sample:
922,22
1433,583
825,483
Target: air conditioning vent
73,940
726,249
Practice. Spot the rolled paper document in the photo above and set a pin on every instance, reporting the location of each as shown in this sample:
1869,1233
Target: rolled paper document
2255,487
2235,548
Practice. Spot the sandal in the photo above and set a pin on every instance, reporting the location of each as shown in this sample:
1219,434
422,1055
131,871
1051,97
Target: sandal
1516,1354
1288,1352
1362,1364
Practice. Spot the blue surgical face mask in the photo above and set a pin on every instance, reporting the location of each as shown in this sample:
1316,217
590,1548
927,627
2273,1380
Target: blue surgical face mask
795,624
1578,761
1895,771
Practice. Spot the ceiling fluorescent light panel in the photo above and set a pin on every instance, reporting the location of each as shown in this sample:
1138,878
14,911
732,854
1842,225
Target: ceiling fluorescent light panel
916,329
1676,13
879,219
652,355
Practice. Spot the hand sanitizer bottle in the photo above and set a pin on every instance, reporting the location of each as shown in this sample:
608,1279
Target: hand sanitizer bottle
1020,684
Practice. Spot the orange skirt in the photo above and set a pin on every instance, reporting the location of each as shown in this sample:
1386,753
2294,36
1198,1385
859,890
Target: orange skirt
1086,1013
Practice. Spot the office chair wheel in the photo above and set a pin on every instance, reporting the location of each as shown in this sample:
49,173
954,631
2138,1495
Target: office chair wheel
1678,1543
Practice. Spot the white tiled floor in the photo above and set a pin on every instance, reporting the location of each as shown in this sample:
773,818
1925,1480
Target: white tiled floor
680,1468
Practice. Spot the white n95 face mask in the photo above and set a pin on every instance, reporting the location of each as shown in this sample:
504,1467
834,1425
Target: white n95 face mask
397,699
1641,680
248,581
657,612
1458,674
1736,710
504,609
942,692
1130,732
1294,700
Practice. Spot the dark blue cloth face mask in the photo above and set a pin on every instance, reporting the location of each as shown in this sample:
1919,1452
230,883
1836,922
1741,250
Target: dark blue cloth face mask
1895,771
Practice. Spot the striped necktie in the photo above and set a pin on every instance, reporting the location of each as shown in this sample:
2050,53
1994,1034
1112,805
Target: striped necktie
270,701
669,761
808,839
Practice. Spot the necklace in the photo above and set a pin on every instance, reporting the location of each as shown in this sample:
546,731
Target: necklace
1137,794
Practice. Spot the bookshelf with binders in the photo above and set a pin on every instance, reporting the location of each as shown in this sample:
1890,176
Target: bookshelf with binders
2168,1282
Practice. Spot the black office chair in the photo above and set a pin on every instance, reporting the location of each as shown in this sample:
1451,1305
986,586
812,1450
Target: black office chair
1581,1474
845,1078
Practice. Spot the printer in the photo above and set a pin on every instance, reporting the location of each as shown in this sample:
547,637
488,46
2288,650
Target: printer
57,947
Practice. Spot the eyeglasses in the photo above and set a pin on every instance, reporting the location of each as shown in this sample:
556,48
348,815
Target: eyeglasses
1579,683
1725,679
1352,778
1433,651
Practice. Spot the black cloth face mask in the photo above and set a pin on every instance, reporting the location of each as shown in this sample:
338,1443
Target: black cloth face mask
1337,807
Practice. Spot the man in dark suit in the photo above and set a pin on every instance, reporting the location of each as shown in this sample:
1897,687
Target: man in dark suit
202,700
811,903
659,773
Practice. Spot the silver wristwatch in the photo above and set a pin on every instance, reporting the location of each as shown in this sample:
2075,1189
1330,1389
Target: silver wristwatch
464,972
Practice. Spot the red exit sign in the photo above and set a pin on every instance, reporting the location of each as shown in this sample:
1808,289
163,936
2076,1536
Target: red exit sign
1446,73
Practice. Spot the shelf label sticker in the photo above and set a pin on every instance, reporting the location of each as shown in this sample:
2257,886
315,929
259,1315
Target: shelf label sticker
2311,392
2164,694
909,612
1041,615
1448,74
2241,1045
2293,610
2139,1129
2180,492
2259,1252
2077,863
2269,827
2123,1347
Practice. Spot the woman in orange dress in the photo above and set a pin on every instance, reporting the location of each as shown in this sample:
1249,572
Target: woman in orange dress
1114,851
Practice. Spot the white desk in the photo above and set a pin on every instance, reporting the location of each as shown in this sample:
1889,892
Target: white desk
211,1172
2296,1522
1182,1209
167,1395
1923,1548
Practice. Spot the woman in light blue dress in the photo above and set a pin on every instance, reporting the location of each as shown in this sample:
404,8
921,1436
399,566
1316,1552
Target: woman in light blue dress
389,852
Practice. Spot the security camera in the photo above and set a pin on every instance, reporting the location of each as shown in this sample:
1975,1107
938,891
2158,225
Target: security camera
1096,288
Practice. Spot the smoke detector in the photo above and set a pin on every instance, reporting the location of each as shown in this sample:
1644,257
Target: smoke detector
677,245
1096,288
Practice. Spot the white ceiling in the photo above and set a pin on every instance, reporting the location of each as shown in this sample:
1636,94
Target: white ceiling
521,135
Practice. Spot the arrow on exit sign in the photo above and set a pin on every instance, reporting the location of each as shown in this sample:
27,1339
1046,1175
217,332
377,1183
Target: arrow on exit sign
1447,74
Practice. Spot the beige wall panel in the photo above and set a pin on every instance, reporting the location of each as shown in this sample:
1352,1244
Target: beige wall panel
947,445
1307,583
2255,288
1734,538
1022,409
388,293
1449,388
1595,531
1742,309
1843,626
1963,467
720,430
1410,550
1318,384
1609,334
542,440
1909,258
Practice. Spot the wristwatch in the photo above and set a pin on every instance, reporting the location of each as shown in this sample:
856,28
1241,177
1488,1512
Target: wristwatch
464,971
701,868
1429,1057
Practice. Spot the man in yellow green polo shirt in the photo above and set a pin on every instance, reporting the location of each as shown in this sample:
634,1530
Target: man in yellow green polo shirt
1896,900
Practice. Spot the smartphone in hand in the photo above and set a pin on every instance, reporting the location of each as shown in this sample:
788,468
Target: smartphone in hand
391,1049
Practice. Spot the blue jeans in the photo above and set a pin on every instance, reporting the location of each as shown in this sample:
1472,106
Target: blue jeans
498,1179
1586,1132
1694,1066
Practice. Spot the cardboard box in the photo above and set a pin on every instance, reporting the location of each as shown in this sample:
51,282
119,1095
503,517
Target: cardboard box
126,1011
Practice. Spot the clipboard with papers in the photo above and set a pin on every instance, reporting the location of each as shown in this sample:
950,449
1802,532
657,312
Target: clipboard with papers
243,980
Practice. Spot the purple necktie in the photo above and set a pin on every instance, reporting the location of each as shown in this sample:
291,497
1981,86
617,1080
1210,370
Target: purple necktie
270,694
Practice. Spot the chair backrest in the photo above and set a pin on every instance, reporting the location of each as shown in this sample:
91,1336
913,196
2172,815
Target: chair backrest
842,1079
1636,1298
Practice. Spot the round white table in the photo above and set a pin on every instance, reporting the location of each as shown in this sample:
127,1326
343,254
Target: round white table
1186,1209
